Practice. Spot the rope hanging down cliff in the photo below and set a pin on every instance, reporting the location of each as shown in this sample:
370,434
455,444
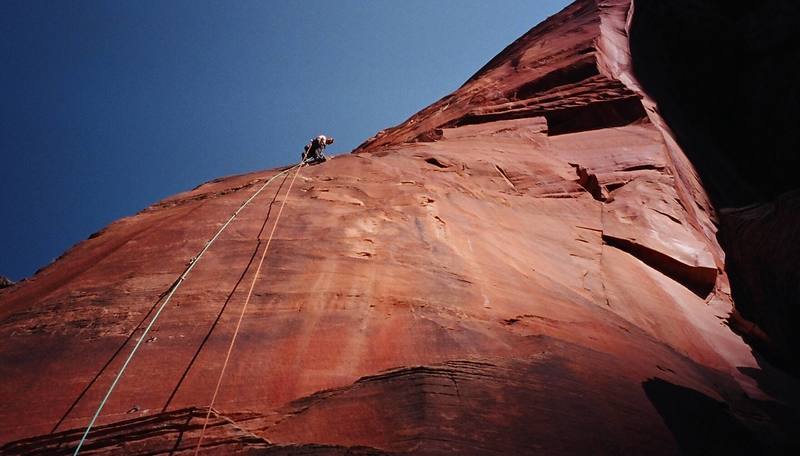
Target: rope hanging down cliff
244,309
173,288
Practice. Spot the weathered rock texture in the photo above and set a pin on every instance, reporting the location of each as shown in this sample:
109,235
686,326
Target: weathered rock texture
528,266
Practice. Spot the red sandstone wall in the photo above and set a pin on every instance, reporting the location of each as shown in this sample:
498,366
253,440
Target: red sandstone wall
527,266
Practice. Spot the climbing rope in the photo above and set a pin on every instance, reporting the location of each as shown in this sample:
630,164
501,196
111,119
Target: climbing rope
173,288
244,309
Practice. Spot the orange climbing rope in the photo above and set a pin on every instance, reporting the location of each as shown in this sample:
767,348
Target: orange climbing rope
244,309
167,296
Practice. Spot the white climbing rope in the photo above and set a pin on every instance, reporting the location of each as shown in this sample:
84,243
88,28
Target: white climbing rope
174,287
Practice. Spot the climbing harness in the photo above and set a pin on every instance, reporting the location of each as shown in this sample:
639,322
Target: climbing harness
171,291
244,309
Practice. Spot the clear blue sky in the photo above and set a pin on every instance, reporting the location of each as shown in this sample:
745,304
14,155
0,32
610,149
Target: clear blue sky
109,106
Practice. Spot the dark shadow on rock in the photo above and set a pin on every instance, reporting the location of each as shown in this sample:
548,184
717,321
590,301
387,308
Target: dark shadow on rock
762,258
784,410
720,73
700,424
699,279
775,382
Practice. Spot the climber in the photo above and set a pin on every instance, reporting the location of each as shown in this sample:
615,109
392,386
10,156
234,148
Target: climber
313,151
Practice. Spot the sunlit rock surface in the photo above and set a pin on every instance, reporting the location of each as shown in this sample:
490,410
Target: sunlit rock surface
528,266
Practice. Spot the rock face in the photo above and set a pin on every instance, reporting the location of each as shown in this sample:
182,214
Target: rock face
528,266
5,282
728,87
